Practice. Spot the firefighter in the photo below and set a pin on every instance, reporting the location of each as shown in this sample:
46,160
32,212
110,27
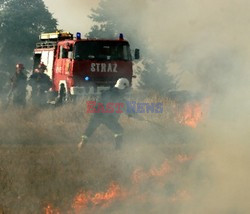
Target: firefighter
18,86
114,95
42,68
33,83
40,83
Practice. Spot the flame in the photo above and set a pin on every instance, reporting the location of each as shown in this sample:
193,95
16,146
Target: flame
50,210
85,199
140,175
163,170
113,192
182,158
89,201
191,114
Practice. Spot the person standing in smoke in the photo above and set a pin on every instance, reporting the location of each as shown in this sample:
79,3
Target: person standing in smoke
33,83
42,68
18,86
114,95
40,83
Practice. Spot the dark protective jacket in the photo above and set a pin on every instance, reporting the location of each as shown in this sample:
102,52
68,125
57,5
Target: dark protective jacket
108,101
113,102
18,81
18,88
40,82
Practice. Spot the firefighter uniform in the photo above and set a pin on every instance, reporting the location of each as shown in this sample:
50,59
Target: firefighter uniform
40,83
18,86
114,95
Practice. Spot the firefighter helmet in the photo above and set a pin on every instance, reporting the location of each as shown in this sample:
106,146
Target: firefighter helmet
20,66
122,83
42,67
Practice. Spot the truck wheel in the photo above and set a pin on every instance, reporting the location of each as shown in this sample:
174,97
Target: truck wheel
62,93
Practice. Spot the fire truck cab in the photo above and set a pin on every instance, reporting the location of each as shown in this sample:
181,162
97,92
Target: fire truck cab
83,66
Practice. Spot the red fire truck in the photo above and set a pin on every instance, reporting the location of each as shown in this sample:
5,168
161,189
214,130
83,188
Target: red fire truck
83,66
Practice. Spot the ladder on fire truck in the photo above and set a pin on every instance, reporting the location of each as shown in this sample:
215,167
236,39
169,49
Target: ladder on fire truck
50,40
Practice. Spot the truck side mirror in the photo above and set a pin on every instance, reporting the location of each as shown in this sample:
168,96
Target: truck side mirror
137,53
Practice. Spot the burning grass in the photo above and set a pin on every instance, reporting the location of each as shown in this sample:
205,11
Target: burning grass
41,170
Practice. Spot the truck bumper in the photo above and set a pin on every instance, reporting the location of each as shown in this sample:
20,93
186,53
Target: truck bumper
83,91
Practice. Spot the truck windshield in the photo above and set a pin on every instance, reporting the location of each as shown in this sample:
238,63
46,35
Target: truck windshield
102,50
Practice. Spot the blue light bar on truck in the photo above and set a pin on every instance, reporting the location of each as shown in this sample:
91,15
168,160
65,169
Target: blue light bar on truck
87,78
121,37
78,35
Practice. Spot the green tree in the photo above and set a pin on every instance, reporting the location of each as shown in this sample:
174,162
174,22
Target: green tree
104,26
154,77
110,21
21,23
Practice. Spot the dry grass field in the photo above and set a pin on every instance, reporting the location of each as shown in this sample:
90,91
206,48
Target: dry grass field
42,171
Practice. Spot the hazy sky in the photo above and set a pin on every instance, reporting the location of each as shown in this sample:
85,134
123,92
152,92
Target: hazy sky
72,15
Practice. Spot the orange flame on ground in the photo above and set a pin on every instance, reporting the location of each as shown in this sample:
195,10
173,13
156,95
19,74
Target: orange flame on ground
183,158
50,210
140,175
84,199
191,114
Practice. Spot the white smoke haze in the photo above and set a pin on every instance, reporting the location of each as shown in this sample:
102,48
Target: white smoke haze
72,15
200,38
206,44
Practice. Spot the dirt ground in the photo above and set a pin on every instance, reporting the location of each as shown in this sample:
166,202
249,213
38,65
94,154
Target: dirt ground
42,171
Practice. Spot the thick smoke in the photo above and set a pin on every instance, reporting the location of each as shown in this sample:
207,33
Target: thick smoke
203,39
206,45
72,15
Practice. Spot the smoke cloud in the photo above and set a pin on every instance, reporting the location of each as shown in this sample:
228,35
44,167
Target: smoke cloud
199,39
72,15
206,44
